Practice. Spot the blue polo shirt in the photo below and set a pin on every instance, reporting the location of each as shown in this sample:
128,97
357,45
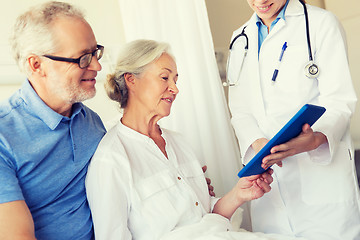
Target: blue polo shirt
262,28
44,158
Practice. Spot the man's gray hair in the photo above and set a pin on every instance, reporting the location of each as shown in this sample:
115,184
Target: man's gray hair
33,32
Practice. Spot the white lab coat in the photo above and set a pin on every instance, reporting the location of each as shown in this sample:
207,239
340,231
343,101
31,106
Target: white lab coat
315,194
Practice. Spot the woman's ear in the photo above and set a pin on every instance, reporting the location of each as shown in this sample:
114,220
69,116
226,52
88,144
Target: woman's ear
35,65
129,79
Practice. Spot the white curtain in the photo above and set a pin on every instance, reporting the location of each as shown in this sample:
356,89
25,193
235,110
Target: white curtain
200,111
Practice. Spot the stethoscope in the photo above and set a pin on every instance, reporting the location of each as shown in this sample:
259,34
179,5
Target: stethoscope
311,69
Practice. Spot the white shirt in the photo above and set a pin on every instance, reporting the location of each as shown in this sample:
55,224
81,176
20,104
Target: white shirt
135,192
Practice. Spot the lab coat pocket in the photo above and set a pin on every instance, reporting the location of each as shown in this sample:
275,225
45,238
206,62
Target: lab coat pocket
332,183
291,77
156,194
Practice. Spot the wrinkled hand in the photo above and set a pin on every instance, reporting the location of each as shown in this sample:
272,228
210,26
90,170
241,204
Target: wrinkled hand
246,189
254,187
208,181
307,140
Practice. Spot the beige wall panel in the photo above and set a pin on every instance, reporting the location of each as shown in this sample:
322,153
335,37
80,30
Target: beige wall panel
353,40
342,10
225,16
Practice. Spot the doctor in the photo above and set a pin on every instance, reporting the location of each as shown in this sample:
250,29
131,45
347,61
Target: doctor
315,193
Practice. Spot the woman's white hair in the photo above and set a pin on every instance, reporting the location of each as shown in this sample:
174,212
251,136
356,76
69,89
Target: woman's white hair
33,32
133,58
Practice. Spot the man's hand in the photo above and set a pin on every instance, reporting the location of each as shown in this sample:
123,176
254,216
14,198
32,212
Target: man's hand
208,181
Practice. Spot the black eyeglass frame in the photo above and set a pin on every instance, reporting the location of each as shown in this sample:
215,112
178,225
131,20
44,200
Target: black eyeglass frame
78,60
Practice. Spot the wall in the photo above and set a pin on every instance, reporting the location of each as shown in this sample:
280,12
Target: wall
227,15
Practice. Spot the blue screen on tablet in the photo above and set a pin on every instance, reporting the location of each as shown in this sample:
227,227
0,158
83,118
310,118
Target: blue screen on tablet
307,114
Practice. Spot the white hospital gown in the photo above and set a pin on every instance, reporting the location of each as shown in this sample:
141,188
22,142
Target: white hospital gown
135,192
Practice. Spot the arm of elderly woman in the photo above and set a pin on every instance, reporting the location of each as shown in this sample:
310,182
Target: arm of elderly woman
246,189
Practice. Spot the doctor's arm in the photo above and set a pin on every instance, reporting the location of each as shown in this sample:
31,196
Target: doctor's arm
336,92
16,222
242,102
250,137
246,189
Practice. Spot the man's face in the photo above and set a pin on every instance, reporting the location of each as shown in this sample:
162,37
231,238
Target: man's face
66,82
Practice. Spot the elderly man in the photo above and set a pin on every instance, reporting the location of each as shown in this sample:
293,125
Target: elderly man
47,136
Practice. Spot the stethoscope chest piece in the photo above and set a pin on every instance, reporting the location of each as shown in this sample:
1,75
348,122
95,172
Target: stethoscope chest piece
311,70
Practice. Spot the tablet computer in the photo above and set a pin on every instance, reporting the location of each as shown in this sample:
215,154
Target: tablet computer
307,114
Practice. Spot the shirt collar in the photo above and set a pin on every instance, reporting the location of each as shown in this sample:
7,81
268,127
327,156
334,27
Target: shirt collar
44,112
129,132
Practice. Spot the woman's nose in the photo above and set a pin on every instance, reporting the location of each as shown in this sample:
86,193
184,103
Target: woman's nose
173,88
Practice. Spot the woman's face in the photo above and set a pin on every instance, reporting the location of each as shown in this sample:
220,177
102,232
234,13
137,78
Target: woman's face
267,10
155,89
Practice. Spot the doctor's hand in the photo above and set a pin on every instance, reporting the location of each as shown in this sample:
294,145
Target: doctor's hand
307,140
259,144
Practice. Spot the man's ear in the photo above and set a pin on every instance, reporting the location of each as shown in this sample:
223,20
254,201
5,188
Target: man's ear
35,65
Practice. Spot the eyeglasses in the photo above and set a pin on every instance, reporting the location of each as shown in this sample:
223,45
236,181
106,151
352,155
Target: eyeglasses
84,60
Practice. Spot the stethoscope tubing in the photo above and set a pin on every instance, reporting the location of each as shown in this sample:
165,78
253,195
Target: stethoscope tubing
307,31
240,35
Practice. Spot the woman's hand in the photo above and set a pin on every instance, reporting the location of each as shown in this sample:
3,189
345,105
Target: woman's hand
253,187
246,189
307,140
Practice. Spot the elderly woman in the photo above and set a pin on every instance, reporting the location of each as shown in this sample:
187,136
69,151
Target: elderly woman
145,181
